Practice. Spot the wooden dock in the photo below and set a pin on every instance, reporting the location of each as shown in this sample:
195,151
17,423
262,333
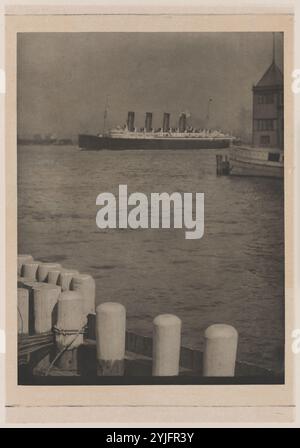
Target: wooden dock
59,344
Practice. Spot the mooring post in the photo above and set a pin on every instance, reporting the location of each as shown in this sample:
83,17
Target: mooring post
69,328
166,345
31,286
110,338
43,270
225,166
45,309
220,348
65,278
53,276
219,164
86,285
30,269
21,260
23,311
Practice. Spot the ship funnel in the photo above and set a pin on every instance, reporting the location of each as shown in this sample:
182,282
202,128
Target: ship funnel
166,122
182,122
148,122
130,122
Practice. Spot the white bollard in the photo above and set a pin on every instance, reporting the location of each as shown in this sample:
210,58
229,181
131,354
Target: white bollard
69,329
43,270
30,269
53,276
70,319
220,348
45,310
86,285
21,260
110,338
166,345
31,286
23,311
65,277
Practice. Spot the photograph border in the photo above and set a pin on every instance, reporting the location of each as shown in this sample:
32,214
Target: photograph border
149,395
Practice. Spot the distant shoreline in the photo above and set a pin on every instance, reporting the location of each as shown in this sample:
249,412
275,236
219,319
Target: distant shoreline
61,141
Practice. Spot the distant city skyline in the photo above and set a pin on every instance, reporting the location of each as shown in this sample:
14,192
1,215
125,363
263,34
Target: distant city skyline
65,78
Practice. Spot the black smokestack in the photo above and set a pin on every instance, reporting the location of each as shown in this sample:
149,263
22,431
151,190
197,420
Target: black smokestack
130,121
166,122
182,122
148,122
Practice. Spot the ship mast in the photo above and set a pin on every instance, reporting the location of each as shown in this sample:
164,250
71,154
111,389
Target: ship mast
105,114
207,115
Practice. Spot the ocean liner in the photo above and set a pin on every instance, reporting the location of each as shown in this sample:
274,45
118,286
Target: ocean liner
129,137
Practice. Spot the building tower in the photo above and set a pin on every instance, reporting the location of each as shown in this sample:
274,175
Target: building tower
268,108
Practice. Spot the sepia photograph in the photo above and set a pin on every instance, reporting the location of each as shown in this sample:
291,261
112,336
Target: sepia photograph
150,208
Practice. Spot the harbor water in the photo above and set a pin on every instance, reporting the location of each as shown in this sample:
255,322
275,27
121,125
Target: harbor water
234,274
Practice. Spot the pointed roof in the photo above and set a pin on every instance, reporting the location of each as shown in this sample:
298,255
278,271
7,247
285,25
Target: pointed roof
272,77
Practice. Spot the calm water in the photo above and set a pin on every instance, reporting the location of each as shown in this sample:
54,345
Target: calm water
234,274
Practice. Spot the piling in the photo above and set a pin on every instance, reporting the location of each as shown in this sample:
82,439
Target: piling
65,277
110,338
69,329
43,270
23,311
226,166
45,309
219,164
21,260
222,165
220,348
86,285
30,268
166,345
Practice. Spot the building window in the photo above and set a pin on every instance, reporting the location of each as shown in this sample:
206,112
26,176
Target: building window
265,125
273,157
266,98
265,140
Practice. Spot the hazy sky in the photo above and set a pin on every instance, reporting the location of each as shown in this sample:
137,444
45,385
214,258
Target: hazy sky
64,78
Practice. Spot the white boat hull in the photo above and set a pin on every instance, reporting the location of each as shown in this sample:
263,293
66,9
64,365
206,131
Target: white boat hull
256,162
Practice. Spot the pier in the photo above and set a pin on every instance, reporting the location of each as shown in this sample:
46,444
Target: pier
63,338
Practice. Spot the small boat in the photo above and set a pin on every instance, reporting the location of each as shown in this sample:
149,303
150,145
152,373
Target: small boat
256,161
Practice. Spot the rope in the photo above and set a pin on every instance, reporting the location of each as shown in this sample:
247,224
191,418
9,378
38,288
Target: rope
22,322
58,331
66,333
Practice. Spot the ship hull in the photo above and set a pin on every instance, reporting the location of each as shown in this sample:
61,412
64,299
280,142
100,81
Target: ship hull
96,143
254,162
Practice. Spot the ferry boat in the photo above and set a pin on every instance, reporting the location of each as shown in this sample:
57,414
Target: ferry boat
251,161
